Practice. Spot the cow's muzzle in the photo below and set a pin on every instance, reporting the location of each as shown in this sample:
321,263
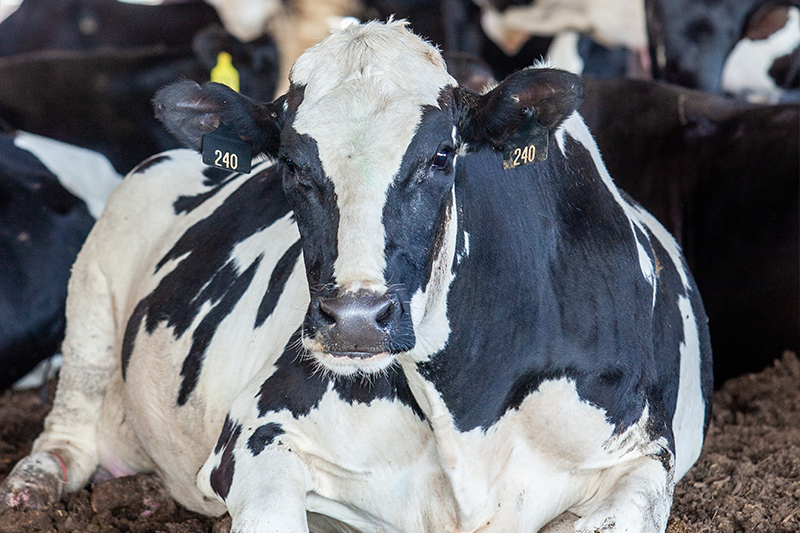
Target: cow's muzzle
359,325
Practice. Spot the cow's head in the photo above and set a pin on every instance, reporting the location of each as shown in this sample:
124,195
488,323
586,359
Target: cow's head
368,138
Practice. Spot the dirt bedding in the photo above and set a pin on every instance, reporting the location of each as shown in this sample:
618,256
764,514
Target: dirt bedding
747,479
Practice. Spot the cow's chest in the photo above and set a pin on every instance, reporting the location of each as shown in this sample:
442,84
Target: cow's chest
379,466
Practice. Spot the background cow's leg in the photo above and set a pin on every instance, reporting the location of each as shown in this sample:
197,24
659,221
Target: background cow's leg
632,497
65,455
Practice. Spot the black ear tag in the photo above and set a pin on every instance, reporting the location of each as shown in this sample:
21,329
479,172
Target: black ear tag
526,145
222,148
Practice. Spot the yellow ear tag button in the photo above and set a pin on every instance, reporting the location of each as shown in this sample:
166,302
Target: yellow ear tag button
224,72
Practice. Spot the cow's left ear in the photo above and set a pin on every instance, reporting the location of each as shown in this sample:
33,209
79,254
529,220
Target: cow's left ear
190,111
492,117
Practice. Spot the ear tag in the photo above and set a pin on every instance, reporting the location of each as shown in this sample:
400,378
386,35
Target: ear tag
224,72
526,145
222,148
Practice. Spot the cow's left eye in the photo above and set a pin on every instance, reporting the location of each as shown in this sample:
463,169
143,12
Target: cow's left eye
290,166
442,158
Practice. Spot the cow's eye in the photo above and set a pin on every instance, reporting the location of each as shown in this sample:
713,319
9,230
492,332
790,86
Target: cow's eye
441,159
290,166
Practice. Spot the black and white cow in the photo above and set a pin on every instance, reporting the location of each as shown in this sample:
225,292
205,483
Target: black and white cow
50,195
383,330
689,41
102,99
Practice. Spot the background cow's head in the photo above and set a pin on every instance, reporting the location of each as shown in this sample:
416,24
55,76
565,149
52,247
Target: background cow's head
367,138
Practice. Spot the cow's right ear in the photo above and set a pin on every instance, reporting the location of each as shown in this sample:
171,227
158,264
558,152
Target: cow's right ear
190,111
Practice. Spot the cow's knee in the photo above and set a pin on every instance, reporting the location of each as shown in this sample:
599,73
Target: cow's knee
637,498
263,491
36,481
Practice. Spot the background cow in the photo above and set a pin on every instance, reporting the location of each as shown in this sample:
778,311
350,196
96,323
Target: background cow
385,327
690,41
50,195
101,100
95,90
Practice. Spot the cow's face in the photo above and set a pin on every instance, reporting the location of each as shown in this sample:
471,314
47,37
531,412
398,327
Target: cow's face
368,169
367,139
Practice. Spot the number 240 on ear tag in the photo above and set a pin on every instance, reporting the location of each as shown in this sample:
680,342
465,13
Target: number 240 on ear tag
526,145
222,148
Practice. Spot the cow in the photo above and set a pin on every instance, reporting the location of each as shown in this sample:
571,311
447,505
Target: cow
380,327
689,41
750,70
606,25
100,99
50,195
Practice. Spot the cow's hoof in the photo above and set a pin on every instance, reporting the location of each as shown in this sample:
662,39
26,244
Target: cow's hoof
35,482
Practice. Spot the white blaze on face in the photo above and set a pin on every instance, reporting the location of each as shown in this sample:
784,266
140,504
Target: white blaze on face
365,88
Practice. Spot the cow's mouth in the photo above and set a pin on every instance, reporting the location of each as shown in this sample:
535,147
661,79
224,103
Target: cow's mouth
359,355
349,362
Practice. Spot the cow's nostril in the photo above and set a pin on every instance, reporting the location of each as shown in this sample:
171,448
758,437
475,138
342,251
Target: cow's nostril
327,313
384,315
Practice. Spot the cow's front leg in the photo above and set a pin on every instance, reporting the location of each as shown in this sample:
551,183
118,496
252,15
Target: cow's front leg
65,455
635,497
260,480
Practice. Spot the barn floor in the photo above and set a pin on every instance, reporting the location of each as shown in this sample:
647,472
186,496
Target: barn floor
747,479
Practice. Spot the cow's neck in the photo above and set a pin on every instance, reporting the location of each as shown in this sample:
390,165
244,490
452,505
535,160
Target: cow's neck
439,368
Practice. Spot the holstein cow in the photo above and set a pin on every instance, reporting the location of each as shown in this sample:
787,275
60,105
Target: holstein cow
102,99
50,195
383,330
689,41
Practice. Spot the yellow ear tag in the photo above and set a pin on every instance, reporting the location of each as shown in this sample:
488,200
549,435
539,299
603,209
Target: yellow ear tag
224,72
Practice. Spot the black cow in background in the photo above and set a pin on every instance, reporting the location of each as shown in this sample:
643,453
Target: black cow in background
50,195
84,72
95,91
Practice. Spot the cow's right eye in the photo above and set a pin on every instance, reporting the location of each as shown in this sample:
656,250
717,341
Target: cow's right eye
442,158
290,166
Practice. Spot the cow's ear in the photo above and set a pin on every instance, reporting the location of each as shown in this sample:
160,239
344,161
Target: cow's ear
492,117
190,111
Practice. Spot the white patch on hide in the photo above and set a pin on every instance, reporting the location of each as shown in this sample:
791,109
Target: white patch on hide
85,173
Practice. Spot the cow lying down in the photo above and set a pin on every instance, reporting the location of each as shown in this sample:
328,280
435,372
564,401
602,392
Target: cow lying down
384,329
